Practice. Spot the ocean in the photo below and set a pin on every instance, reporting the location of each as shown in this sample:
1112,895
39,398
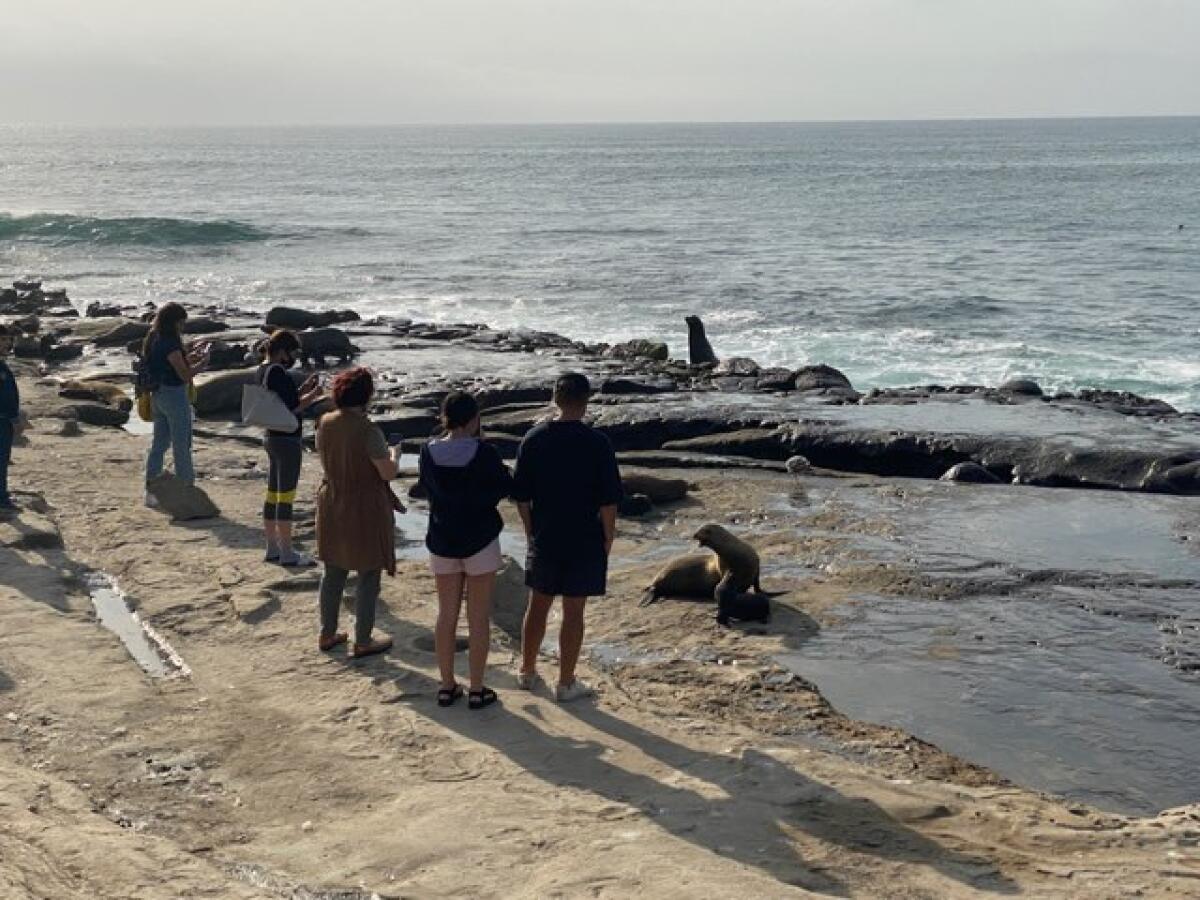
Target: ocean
902,253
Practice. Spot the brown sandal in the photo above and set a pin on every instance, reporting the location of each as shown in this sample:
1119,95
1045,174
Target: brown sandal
374,647
334,640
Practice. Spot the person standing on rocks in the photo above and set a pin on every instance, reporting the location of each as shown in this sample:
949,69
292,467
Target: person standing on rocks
171,370
567,487
11,424
355,506
285,449
465,480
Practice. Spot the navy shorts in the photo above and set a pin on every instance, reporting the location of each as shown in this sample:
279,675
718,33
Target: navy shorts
577,574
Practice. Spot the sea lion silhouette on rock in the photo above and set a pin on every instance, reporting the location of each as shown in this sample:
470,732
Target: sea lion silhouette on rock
725,575
700,351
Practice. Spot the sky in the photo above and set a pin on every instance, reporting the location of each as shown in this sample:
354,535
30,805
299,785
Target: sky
279,62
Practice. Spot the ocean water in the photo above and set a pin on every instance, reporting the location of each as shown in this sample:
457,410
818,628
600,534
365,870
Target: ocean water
902,253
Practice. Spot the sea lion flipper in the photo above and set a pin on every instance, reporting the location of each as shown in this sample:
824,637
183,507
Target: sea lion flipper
649,596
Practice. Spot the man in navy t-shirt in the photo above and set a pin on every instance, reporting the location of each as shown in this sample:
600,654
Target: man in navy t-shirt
567,487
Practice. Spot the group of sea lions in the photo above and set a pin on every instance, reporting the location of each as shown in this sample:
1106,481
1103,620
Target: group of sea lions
729,575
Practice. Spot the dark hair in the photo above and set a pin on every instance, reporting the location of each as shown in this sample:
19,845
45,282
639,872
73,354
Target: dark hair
354,387
168,321
281,341
571,389
458,409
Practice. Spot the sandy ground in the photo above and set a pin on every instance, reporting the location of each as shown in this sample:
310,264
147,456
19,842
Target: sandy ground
273,770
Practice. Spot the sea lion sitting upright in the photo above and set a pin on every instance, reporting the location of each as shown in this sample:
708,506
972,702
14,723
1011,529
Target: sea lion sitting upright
700,351
732,569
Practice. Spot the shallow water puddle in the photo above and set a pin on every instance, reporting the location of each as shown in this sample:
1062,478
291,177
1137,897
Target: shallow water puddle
1070,666
147,647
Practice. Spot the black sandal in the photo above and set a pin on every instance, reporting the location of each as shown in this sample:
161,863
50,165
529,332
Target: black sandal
481,698
447,696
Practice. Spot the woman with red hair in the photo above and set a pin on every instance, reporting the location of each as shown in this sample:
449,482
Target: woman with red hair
355,530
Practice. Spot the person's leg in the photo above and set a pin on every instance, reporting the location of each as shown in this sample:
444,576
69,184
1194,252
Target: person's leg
6,439
179,412
367,595
533,629
333,585
160,441
570,638
270,506
290,456
479,615
449,590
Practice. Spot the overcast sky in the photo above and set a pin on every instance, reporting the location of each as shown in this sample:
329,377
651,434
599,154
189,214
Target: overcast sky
392,61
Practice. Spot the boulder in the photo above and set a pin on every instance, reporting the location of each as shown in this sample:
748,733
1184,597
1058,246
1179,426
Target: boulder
319,343
640,349
27,284
634,505
98,310
122,333
825,380
654,488
737,365
299,319
969,473
203,325
798,465
1021,387
181,501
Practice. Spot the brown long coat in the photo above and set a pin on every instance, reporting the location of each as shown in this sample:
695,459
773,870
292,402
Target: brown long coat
355,528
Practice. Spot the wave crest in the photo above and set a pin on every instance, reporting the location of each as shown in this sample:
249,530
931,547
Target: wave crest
146,231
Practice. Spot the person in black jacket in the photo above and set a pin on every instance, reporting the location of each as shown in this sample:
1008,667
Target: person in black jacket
11,423
465,480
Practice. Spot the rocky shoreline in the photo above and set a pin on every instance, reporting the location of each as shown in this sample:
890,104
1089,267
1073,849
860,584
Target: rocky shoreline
708,765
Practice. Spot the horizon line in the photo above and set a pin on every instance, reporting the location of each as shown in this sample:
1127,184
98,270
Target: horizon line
567,123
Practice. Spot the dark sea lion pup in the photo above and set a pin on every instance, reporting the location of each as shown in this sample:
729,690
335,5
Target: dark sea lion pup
699,349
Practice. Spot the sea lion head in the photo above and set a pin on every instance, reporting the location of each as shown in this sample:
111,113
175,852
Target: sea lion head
712,536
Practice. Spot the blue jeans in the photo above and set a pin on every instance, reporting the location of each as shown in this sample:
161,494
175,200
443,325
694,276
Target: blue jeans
6,440
173,428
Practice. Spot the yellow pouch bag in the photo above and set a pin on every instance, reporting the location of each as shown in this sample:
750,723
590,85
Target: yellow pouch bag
145,406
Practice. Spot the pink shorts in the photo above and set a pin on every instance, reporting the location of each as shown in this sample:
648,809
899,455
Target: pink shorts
485,562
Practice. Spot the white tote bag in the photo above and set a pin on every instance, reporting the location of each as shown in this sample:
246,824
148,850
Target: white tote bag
261,406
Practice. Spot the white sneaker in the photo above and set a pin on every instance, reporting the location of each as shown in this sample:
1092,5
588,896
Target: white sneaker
150,500
527,681
576,690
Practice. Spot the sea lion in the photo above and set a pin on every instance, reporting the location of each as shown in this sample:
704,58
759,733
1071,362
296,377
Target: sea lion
700,351
731,569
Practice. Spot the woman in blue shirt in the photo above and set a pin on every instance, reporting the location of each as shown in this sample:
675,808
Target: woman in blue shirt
171,370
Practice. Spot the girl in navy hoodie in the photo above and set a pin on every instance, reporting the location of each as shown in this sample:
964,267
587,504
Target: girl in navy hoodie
465,480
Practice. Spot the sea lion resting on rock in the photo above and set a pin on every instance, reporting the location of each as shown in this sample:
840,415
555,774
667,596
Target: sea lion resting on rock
726,575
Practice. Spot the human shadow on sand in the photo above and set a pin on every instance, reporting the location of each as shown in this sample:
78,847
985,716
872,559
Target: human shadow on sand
762,802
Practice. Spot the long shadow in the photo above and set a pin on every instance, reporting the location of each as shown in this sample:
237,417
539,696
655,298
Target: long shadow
734,826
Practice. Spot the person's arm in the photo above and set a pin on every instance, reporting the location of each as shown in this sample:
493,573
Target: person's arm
180,365
377,449
526,518
310,392
522,490
608,518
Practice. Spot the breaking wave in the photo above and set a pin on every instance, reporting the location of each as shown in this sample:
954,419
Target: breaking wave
146,231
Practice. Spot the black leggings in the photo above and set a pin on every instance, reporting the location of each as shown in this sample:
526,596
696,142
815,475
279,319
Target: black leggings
285,453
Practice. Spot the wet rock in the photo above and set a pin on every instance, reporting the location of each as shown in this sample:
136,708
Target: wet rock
122,333
203,325
1125,403
640,349
1182,477
654,488
404,425
627,386
700,351
1021,387
504,394
299,319
98,310
181,501
26,324
759,443
969,473
823,380
650,426
798,465
737,365
776,379
635,505
27,284
317,344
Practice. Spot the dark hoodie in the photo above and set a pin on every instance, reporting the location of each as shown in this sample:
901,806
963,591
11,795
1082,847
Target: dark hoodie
465,480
